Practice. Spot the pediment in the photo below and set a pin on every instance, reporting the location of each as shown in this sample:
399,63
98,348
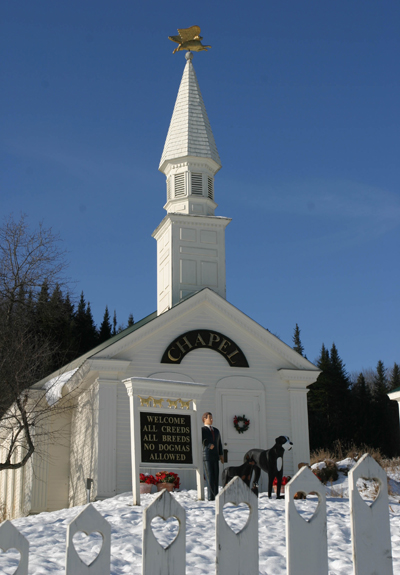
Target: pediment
207,312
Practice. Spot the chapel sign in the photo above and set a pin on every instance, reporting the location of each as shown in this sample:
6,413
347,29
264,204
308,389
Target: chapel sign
166,437
208,339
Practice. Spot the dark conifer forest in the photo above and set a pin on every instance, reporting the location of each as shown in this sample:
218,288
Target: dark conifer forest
345,411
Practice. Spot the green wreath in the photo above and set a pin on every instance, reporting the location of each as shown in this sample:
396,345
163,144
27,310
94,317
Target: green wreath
241,423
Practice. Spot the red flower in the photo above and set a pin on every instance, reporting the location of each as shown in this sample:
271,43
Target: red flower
168,477
147,478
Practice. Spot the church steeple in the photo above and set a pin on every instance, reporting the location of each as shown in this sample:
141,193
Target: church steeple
190,239
190,158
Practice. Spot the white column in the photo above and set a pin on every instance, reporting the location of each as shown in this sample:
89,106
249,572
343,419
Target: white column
299,421
135,449
107,449
198,453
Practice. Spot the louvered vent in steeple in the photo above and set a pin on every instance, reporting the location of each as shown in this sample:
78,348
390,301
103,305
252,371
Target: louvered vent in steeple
210,188
179,185
197,184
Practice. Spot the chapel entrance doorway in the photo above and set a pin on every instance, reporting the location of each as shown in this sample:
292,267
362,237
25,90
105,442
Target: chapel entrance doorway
249,403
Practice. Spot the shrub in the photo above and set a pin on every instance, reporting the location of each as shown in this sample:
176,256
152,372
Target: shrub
327,472
343,451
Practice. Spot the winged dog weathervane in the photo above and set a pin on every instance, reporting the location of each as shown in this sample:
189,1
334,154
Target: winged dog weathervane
189,39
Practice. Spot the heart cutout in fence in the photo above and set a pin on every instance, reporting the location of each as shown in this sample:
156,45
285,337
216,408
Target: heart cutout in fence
368,489
236,516
165,530
306,506
88,547
9,558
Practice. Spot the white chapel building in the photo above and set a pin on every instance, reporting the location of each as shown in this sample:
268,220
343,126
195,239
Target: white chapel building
195,337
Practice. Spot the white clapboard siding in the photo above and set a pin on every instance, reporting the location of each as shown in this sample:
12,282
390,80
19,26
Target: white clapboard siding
84,446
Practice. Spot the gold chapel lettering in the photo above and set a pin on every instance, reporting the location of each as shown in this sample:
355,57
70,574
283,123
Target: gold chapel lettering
200,340
224,343
182,345
204,338
232,354
213,337
171,357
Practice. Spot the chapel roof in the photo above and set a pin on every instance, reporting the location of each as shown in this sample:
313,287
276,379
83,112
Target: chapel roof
189,132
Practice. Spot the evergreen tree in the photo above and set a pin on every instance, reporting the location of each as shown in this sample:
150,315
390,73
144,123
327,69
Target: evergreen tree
59,318
318,404
130,320
81,309
363,432
84,329
79,327
114,330
105,327
339,396
381,384
92,334
328,402
297,342
386,414
41,311
394,381
68,330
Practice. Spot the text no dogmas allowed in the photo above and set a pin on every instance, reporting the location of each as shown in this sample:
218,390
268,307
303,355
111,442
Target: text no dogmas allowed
166,437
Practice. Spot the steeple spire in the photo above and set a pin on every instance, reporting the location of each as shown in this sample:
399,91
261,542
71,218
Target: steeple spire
190,239
189,132
190,157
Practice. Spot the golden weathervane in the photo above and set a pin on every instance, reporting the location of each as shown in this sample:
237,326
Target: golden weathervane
189,39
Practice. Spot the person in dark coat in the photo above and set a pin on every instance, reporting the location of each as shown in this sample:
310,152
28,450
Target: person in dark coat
212,454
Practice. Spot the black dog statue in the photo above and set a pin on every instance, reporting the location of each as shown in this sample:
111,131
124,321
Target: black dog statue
270,461
243,471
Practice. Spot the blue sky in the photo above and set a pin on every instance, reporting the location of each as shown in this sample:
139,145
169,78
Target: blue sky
303,99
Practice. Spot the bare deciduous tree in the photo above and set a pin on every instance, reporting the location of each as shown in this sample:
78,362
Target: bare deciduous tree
28,260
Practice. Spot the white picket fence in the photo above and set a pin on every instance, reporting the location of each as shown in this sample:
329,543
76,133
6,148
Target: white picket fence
237,553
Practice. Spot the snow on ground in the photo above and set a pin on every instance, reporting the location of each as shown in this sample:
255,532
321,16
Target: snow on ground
46,532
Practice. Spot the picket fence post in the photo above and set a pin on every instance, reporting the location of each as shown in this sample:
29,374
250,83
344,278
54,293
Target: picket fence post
306,540
88,521
370,525
236,553
11,538
157,560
